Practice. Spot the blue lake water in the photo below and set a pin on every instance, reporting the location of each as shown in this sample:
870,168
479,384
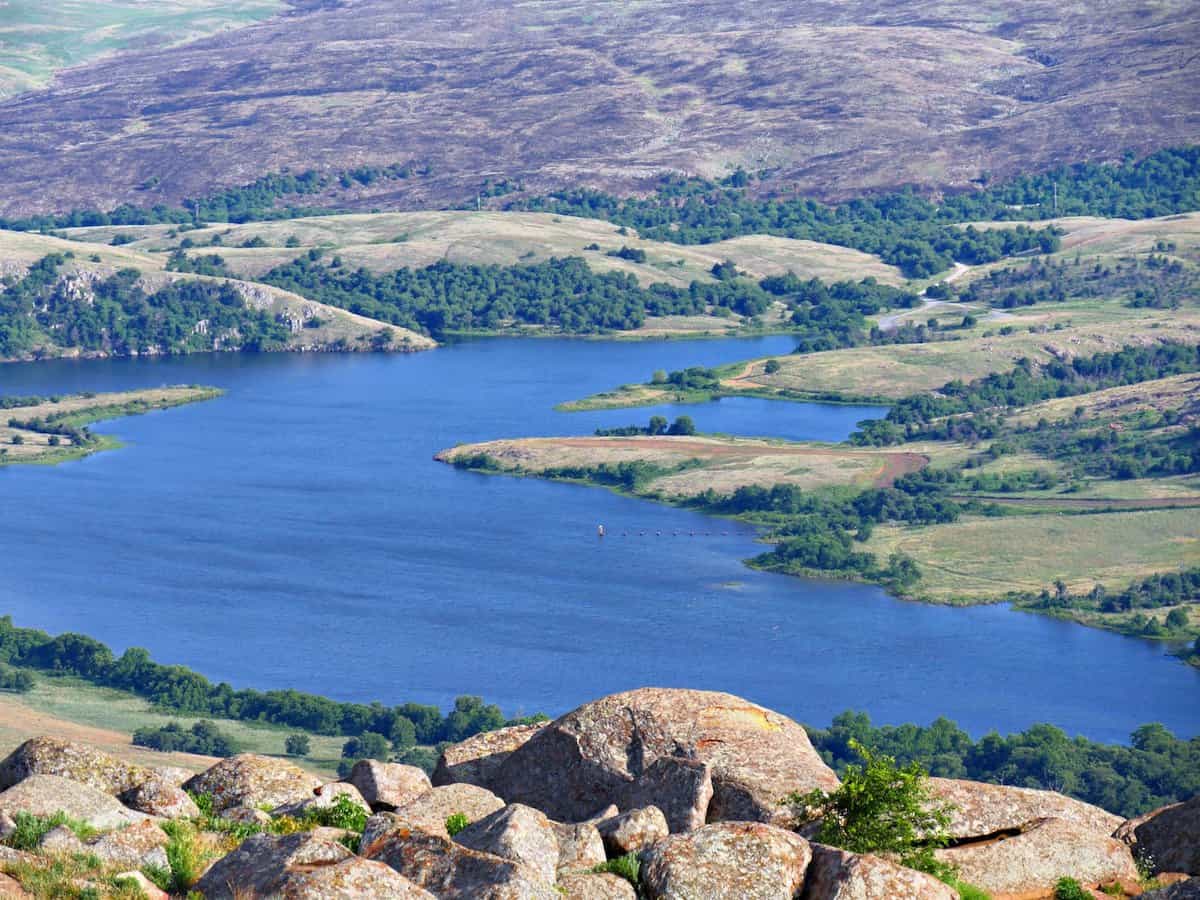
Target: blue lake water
297,533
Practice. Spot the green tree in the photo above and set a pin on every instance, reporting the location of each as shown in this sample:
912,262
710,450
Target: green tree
772,366
682,425
1177,618
368,745
297,745
658,425
659,377
403,734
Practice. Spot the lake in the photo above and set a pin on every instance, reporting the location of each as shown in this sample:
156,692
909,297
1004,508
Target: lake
297,533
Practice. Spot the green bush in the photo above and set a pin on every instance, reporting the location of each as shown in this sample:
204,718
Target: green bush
297,745
1070,889
344,813
627,866
456,823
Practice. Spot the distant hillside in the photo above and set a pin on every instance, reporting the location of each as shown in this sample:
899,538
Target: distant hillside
833,97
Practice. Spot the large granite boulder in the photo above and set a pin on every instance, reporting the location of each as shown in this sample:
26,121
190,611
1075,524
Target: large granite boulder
10,888
727,861
67,759
837,874
579,846
629,832
142,844
1181,890
325,797
454,872
386,786
44,795
1168,838
593,756
252,780
158,796
308,864
431,810
1036,857
681,788
982,809
520,833
595,886
476,760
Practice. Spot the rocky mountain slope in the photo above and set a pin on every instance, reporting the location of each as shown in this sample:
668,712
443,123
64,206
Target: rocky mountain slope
688,783
834,97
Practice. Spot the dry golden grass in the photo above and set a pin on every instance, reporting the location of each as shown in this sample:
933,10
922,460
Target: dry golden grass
1161,394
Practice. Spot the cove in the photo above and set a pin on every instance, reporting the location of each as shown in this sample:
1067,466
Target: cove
297,533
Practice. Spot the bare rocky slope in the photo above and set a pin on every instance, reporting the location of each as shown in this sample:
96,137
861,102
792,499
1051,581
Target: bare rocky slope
835,97
689,782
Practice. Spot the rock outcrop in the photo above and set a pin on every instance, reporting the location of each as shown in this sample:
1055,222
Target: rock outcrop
158,796
44,795
252,780
516,832
594,755
431,810
727,861
630,832
981,809
1168,838
838,875
682,788
386,786
325,797
68,759
477,759
596,886
580,846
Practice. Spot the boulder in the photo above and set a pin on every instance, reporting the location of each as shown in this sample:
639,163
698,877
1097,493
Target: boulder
476,760
60,840
377,827
431,810
67,759
594,755
579,846
245,815
7,826
516,832
386,786
987,809
309,864
727,861
839,875
158,796
44,795
1036,857
10,888
172,774
326,797
138,845
630,831
681,788
596,886
147,888
252,780
454,872
1180,890
1169,838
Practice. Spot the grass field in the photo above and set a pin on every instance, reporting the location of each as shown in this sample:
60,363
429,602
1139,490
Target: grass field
38,38
76,710
986,558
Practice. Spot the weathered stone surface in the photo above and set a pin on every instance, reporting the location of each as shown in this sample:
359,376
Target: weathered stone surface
727,861
591,756
44,795
252,780
430,810
136,846
377,827
1168,837
7,825
1181,890
681,788
386,786
172,774
10,888
1036,858
982,809
158,796
630,831
59,840
596,886
245,815
67,759
149,890
579,846
453,872
520,833
476,760
838,875
325,798
309,864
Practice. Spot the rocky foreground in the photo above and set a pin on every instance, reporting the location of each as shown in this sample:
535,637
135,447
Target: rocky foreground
689,782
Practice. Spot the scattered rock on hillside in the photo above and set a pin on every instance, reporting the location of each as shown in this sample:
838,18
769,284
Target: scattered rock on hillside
148,889
579,846
838,875
476,760
160,797
630,831
454,872
311,865
252,780
44,795
596,886
1038,856
593,755
386,786
245,815
1169,837
985,809
327,796
430,810
681,788
67,759
516,832
136,846
60,840
727,861
172,775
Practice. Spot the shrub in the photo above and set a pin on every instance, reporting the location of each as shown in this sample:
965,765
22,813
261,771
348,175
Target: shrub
344,813
627,866
297,745
456,823
184,855
17,680
1070,889
772,366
